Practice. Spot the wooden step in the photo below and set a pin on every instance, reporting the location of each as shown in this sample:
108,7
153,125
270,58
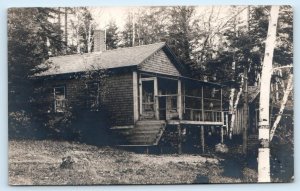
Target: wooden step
150,122
145,132
146,129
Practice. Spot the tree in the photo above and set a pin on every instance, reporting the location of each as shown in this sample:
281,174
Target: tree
82,26
87,29
180,32
264,104
284,100
153,27
112,38
131,35
29,31
127,33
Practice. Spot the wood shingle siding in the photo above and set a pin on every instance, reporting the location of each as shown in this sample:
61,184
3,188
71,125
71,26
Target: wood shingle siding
74,89
119,100
159,62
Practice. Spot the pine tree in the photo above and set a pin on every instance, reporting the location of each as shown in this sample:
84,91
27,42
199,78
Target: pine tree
180,30
112,38
29,32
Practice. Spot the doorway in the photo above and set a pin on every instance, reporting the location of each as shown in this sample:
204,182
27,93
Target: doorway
147,100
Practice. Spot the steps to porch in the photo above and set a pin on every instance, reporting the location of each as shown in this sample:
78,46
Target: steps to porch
144,133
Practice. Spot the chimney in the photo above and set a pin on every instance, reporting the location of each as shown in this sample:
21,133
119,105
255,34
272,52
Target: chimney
99,40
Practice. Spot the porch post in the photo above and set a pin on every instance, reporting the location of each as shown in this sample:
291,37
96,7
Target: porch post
202,103
179,100
179,139
156,101
222,134
141,95
202,139
135,97
222,114
226,123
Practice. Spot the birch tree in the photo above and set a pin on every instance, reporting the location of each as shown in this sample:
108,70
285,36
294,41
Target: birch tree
284,100
264,100
82,26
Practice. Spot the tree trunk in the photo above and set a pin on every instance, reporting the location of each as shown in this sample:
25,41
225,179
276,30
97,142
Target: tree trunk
246,105
133,29
264,100
245,111
59,19
77,40
66,27
89,40
231,101
282,105
231,110
235,106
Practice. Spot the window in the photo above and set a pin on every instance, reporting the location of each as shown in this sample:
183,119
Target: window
59,99
93,95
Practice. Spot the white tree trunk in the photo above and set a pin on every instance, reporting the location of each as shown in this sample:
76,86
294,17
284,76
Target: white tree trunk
231,101
282,105
133,29
238,96
264,100
231,110
77,40
89,40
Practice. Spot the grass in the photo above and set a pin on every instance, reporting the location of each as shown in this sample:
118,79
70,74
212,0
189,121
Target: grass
38,163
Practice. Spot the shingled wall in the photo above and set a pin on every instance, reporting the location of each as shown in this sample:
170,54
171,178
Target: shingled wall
159,63
118,100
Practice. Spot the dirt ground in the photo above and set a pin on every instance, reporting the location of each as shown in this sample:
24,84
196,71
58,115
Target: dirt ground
38,163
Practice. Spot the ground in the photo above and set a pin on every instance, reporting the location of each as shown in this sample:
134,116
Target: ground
39,163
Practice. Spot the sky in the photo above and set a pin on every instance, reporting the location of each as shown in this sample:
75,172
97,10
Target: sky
103,15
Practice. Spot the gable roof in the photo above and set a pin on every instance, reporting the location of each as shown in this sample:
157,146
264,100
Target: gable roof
117,58
253,92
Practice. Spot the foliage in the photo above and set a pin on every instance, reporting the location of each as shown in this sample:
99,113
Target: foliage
29,31
180,32
112,38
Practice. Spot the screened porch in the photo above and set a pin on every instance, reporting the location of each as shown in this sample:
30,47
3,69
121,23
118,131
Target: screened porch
180,99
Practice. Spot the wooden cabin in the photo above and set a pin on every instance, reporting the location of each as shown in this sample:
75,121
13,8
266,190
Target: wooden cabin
253,115
148,90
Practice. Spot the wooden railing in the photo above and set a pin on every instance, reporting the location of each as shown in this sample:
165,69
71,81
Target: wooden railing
194,108
169,110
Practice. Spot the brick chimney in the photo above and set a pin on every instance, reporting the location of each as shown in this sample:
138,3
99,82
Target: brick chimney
99,41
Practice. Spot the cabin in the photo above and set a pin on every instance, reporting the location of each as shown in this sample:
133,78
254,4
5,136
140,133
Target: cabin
148,93
253,119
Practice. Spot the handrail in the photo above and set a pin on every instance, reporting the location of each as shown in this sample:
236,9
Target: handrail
167,95
193,96
212,99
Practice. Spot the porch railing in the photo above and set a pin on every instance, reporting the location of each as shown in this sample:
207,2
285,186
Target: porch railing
194,108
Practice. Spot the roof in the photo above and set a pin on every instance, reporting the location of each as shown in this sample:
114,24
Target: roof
117,58
253,92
